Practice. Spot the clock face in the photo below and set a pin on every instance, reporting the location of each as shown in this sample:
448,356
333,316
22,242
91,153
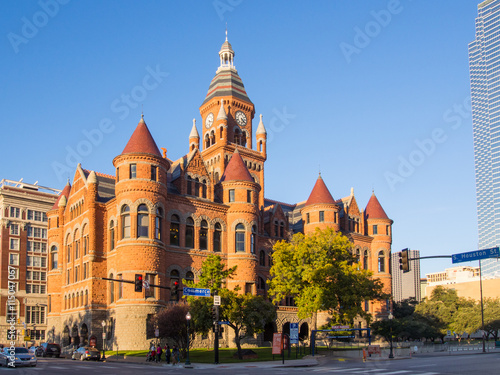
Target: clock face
241,119
209,120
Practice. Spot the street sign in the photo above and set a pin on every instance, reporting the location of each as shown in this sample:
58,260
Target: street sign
197,292
157,332
340,327
145,284
277,343
216,300
224,322
294,333
476,255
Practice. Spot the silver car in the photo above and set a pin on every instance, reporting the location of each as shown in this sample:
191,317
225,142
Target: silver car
17,357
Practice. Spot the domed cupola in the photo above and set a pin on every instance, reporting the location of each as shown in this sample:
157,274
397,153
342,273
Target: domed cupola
320,209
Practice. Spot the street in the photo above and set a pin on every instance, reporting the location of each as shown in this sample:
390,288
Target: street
425,365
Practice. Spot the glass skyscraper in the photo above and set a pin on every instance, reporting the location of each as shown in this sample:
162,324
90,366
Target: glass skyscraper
484,65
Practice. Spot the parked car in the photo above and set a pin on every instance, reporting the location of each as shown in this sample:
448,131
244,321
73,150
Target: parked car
86,352
51,349
17,357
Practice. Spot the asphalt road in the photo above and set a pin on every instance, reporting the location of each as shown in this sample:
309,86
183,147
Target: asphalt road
472,364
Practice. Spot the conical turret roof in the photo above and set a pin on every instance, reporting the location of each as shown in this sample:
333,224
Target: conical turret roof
65,192
236,170
320,193
374,209
194,131
141,141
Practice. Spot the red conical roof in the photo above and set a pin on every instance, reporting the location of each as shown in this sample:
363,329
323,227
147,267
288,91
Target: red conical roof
236,170
374,210
141,141
65,192
320,193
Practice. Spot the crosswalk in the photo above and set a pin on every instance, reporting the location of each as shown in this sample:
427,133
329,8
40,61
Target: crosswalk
369,371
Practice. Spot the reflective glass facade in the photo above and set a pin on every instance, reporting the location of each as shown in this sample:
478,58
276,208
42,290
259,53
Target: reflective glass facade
484,65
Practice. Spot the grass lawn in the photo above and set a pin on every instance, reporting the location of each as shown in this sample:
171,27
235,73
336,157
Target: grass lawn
225,355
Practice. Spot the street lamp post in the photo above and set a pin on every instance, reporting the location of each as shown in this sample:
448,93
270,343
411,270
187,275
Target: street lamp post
103,323
188,318
391,354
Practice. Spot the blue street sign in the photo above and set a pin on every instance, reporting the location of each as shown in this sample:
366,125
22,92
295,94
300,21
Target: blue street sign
294,333
476,255
198,292
224,322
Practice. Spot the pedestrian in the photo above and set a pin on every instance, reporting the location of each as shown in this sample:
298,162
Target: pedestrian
167,353
152,350
158,353
175,355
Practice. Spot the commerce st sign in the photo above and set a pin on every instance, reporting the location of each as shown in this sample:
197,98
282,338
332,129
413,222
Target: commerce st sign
476,255
198,292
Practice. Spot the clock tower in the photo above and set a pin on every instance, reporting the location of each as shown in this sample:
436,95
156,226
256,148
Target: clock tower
227,114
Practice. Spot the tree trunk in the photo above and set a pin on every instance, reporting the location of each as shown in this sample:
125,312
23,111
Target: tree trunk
237,341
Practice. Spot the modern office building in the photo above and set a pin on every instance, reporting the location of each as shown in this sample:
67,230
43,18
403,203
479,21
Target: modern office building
406,284
23,261
484,62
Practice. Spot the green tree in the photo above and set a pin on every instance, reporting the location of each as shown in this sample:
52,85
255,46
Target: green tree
320,273
246,314
492,317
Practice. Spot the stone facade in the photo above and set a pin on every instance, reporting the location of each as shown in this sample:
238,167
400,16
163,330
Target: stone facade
161,218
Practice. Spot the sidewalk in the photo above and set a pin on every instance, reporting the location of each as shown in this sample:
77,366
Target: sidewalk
306,362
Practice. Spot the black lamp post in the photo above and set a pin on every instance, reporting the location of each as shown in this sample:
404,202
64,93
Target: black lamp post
391,354
188,318
103,323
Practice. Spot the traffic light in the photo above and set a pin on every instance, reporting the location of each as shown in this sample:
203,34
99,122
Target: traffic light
176,290
215,313
138,282
404,259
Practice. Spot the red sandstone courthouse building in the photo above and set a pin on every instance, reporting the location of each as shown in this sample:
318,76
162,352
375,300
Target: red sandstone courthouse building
162,218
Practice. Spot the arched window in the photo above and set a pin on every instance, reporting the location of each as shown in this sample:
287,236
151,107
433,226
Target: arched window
203,235
85,239
111,290
189,276
53,257
120,287
212,137
203,189
276,228
207,141
381,262
125,214
237,136
189,187
68,248
217,237
239,243
158,219
197,187
365,260
282,230
253,238
357,258
261,284
111,235
189,233
86,297
262,258
76,239
174,230
216,177
142,221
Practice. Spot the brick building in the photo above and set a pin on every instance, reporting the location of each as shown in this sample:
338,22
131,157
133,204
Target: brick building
162,218
23,260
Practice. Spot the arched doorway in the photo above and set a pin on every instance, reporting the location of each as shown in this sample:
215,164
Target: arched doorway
286,328
269,330
66,340
75,339
84,334
304,332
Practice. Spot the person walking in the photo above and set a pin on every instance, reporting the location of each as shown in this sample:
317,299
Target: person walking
167,353
158,353
153,352
175,355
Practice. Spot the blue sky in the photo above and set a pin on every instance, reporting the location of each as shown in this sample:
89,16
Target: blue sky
375,94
